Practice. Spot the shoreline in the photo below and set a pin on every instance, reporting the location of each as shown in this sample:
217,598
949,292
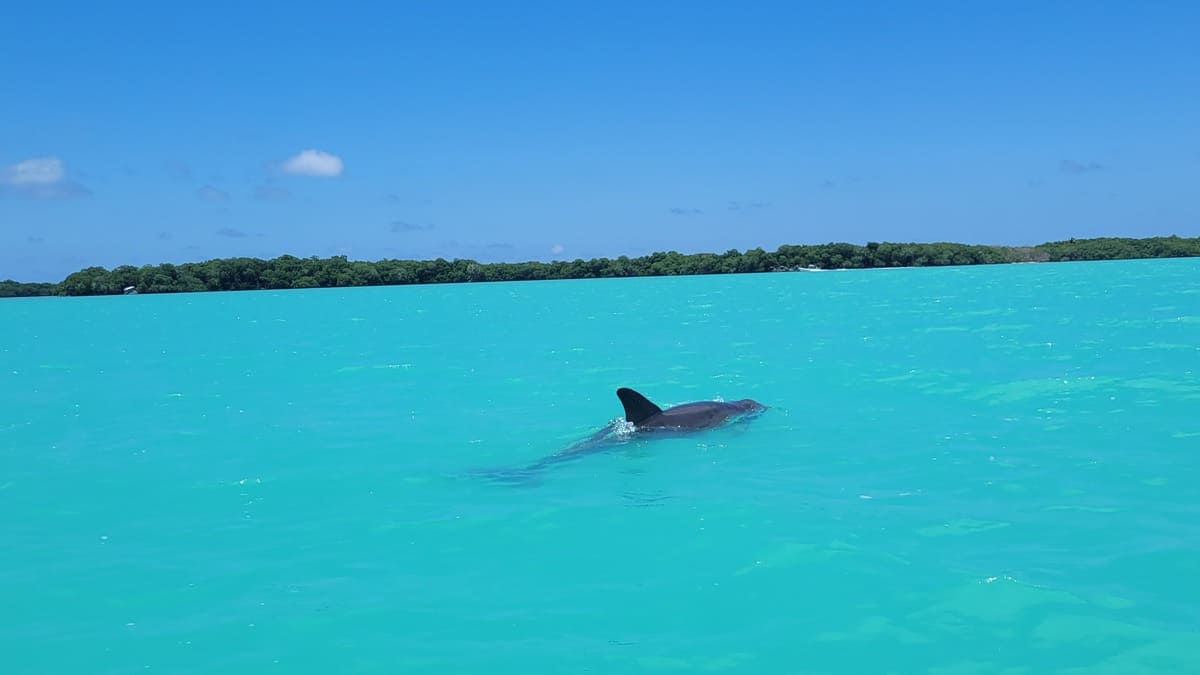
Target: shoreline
290,272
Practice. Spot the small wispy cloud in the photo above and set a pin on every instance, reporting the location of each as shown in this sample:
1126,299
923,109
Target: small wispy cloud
230,232
35,240
399,226
745,206
177,170
557,249
314,163
677,211
211,194
271,193
1072,167
40,171
40,178
165,236
828,184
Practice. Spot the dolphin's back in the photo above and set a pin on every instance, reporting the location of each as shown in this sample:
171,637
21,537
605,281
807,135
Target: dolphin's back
699,415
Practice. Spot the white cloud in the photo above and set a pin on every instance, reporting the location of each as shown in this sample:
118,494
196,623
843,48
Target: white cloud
314,163
557,248
40,177
38,171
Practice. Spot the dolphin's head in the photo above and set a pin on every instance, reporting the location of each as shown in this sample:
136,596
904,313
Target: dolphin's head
748,406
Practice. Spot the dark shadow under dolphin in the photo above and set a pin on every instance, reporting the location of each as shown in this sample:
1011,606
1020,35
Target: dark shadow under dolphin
642,418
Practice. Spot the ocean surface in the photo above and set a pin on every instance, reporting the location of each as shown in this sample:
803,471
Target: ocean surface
962,470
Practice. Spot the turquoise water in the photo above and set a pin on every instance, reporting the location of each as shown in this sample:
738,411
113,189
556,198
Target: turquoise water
963,470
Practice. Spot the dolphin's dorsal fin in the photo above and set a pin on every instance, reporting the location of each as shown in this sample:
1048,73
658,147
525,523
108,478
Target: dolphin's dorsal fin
637,407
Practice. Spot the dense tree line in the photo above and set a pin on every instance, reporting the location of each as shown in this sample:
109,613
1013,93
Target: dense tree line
16,289
292,272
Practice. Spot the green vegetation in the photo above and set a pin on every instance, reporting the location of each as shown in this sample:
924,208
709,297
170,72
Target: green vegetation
16,289
236,274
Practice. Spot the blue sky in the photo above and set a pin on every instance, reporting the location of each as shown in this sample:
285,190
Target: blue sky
138,133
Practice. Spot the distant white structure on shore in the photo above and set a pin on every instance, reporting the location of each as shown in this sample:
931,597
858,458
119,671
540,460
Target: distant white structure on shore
131,290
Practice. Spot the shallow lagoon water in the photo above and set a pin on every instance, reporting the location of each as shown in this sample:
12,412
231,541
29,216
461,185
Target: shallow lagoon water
963,470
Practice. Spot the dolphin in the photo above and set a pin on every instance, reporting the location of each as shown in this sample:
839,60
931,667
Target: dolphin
645,418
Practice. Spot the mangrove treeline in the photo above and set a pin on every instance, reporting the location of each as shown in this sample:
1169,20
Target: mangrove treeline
237,274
